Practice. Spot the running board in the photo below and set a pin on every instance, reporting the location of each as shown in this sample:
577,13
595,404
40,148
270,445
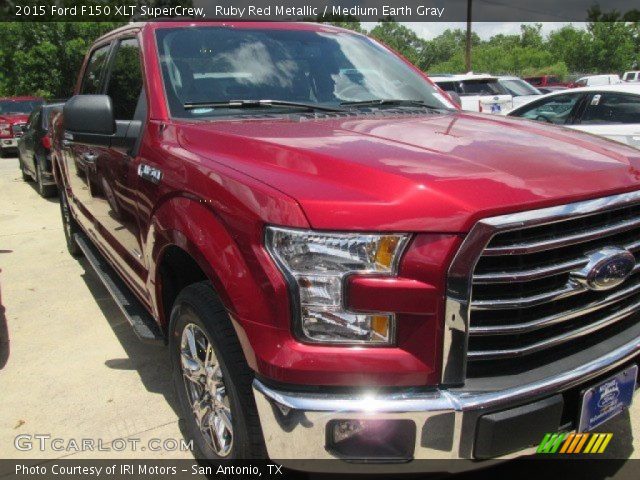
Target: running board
141,321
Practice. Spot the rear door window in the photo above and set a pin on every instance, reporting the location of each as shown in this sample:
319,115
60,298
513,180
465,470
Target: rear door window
94,73
611,108
556,109
482,87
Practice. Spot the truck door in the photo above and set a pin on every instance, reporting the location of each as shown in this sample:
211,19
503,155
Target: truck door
113,175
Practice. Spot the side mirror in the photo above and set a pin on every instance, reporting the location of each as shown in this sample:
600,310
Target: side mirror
89,114
455,97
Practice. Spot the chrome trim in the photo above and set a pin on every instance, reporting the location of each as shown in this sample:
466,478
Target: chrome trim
524,327
459,279
568,290
294,423
528,275
543,245
571,288
558,339
540,272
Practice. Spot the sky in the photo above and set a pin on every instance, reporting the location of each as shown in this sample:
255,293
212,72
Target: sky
485,30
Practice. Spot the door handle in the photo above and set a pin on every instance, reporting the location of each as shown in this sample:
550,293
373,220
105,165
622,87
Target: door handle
90,157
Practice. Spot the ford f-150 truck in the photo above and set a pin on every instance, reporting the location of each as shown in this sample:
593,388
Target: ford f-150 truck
342,263
14,113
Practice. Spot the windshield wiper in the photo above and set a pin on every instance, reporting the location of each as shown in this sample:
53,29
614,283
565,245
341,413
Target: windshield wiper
391,102
261,104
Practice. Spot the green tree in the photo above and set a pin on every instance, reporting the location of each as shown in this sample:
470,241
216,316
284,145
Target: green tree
444,47
400,38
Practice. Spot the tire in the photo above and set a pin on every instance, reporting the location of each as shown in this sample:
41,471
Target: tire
25,175
45,191
198,311
69,225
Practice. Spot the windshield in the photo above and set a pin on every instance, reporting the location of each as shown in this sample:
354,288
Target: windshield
220,64
18,106
519,88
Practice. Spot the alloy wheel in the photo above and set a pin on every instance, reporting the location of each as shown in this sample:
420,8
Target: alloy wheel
206,391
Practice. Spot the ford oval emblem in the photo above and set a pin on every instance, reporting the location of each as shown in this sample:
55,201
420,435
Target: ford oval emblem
606,269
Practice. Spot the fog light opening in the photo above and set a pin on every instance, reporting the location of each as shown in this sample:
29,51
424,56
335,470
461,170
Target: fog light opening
365,440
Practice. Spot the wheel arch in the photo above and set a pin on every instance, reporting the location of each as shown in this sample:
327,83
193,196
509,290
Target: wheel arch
183,228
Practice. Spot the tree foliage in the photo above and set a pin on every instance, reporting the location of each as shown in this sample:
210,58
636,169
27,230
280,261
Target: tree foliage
44,58
610,44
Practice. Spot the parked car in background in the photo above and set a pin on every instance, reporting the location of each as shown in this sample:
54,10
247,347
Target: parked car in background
14,113
343,265
545,90
478,93
597,80
611,111
34,148
521,91
546,81
633,76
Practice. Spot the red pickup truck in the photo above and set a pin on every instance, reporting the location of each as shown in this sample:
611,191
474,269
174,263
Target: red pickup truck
342,263
14,113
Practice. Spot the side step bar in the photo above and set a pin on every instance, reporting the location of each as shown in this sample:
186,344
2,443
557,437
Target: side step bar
143,324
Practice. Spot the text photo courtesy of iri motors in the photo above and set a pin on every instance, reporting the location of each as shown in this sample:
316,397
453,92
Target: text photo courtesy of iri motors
307,239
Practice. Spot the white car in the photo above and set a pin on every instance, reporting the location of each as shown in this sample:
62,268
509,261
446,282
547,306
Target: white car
632,76
597,80
478,93
521,91
611,111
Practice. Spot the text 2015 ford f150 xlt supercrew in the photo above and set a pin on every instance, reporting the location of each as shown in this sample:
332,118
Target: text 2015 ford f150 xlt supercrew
342,263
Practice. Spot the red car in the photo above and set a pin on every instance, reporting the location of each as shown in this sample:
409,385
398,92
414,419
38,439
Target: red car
546,81
342,263
14,113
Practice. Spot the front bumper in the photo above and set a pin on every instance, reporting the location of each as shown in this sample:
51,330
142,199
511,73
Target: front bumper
447,421
9,143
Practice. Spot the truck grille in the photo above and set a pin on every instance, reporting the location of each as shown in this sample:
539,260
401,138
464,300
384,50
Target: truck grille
525,307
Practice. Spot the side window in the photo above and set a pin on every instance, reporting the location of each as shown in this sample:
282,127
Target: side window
125,82
92,80
612,108
556,110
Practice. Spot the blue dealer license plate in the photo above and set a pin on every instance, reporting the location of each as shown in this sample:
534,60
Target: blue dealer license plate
607,399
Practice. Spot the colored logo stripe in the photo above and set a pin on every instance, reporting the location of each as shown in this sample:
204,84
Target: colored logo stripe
574,443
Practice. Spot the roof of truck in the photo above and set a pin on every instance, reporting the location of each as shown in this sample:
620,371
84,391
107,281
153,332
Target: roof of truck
182,23
460,78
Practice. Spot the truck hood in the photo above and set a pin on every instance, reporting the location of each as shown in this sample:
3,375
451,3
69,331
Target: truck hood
433,172
14,118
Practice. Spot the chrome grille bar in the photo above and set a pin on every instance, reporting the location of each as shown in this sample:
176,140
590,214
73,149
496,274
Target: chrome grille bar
550,244
496,324
559,339
516,328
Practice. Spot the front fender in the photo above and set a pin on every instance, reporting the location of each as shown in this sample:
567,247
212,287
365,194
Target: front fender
236,263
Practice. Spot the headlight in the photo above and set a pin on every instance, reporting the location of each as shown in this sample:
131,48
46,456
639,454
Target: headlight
316,265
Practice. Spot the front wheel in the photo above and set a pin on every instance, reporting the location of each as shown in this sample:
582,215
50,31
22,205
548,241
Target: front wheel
23,170
69,225
45,191
212,378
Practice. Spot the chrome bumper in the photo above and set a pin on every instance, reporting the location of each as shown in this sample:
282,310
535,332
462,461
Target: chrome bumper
9,143
294,423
